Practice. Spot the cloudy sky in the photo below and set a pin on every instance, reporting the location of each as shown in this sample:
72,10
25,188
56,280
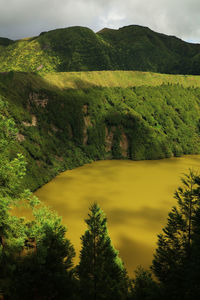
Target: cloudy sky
23,18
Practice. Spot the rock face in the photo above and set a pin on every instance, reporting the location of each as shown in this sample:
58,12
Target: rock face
20,137
33,123
124,145
87,123
109,133
85,109
109,138
39,100
40,68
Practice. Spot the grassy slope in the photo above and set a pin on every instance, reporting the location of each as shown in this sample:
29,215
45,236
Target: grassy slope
80,49
122,79
133,115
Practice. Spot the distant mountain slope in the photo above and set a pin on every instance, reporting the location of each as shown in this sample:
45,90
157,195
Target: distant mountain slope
80,49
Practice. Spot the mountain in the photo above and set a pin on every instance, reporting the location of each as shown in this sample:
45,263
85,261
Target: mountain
68,119
80,49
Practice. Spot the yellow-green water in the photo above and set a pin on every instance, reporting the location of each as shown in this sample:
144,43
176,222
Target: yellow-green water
136,197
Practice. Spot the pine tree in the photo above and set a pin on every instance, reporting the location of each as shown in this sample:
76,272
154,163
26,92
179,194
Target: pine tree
144,287
101,272
192,267
45,271
175,243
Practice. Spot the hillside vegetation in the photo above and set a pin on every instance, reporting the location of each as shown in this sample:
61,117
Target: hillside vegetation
80,49
65,119
61,127
31,250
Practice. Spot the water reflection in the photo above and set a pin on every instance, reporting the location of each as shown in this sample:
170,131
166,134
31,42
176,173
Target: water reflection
136,197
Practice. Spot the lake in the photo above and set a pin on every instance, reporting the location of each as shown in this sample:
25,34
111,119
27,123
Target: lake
136,197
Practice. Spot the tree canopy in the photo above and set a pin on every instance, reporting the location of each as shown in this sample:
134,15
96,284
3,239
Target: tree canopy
101,272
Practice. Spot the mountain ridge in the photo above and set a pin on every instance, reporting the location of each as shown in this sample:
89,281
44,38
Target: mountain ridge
78,48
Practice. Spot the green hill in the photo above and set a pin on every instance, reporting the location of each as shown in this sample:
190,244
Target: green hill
80,49
66,120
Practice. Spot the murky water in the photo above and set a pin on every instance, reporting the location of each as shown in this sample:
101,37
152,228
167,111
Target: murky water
136,197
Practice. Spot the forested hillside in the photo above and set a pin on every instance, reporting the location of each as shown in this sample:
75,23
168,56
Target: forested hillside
61,128
69,97
80,49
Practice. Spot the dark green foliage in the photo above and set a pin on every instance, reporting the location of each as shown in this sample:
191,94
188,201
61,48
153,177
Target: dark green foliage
175,247
158,122
139,48
193,265
144,287
44,272
80,49
100,271
35,257
116,150
5,41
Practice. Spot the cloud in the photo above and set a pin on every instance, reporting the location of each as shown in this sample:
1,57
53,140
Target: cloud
22,18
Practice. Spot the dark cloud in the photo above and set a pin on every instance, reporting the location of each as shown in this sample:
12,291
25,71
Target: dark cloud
22,18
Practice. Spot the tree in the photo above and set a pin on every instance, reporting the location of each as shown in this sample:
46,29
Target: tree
100,271
35,256
11,170
175,243
12,232
193,264
144,287
45,271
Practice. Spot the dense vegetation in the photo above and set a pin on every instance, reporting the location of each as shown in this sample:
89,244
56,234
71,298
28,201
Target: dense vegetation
80,49
62,128
50,122
36,259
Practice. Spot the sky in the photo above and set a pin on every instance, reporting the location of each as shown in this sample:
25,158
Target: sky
26,18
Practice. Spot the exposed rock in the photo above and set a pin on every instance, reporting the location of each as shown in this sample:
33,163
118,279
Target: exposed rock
34,120
59,158
40,67
85,109
38,99
20,137
85,136
38,163
124,145
33,123
109,138
109,141
88,123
